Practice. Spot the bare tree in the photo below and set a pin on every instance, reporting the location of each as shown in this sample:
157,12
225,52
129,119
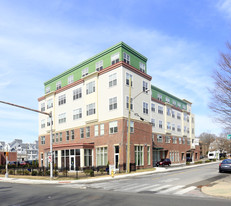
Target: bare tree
206,139
221,93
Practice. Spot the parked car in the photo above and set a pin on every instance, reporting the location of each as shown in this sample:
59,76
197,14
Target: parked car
22,163
29,162
164,162
225,166
13,163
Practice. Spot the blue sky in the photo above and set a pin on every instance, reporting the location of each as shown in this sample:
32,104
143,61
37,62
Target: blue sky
40,39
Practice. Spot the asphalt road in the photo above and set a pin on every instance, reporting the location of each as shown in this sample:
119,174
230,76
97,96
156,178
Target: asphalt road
21,194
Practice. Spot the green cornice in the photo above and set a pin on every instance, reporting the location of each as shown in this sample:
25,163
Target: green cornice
101,54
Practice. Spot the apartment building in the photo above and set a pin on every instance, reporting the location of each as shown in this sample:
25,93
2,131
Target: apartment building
89,104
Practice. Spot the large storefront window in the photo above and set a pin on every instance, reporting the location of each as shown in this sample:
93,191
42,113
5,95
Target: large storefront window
139,155
87,157
70,155
101,154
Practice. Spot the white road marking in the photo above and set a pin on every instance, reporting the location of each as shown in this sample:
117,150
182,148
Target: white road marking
171,189
181,192
159,188
131,187
146,188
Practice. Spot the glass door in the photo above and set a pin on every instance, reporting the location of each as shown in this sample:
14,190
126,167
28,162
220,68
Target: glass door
116,157
72,163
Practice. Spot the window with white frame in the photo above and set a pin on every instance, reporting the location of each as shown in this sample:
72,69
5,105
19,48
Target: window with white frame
168,125
188,130
70,79
159,138
49,103
128,76
96,130
127,103
43,107
178,115
178,128
101,156
153,123
173,127
131,126
192,130
58,85
142,67
90,109
153,107
184,129
42,139
99,65
169,111
183,106
174,140
188,141
113,103
115,58
126,58
145,87
173,114
180,140
85,72
48,89
145,108
49,121
139,155
112,80
183,140
60,136
113,127
159,97
57,137
87,132
160,124
185,116
178,104
77,113
43,124
77,93
174,102
72,134
62,118
167,139
62,99
87,157
81,132
149,155
101,129
167,100
90,87
160,110
67,136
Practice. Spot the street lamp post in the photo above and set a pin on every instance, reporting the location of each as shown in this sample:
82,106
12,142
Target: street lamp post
51,163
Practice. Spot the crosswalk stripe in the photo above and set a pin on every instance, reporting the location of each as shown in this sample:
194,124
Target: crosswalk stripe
171,189
131,187
159,188
146,188
181,192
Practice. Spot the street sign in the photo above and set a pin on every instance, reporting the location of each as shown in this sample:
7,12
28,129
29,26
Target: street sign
49,158
229,136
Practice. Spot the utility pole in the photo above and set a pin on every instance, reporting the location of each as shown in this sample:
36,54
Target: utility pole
129,132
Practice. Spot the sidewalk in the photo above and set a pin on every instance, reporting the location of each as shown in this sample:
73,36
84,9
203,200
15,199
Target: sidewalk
219,188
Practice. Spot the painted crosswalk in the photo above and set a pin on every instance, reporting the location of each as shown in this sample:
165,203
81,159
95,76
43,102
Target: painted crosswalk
137,188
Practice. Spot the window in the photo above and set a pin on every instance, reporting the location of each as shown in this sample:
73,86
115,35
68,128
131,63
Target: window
139,155
167,139
159,97
168,125
90,87
131,126
173,127
96,130
128,76
183,140
57,137
62,99
43,107
67,135
102,129
43,124
159,138
60,136
42,160
99,65
42,139
101,156
112,80
188,130
184,129
77,114
126,58
178,128
113,127
160,110
127,103
173,114
153,123
184,107
115,58
180,140
62,118
153,107
167,99
188,141
160,124
178,104
178,116
185,116
87,132
77,93
81,132
192,130
145,87
192,120
113,103
145,108
149,155
168,111
53,138
70,79
174,140
142,67
49,103
85,72
58,85
87,157
174,102
90,109
48,89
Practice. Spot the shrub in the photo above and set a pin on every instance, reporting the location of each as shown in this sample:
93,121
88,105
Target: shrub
3,171
187,163
19,172
34,173
198,162
65,172
89,172
40,173
101,171
207,161
214,160
55,173
26,172
11,172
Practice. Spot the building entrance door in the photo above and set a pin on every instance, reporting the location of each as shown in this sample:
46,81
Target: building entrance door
116,158
72,163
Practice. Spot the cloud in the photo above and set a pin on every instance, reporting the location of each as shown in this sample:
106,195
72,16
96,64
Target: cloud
224,6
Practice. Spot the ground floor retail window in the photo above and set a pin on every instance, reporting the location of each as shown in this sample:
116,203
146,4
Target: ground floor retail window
70,158
101,155
87,157
148,153
139,155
